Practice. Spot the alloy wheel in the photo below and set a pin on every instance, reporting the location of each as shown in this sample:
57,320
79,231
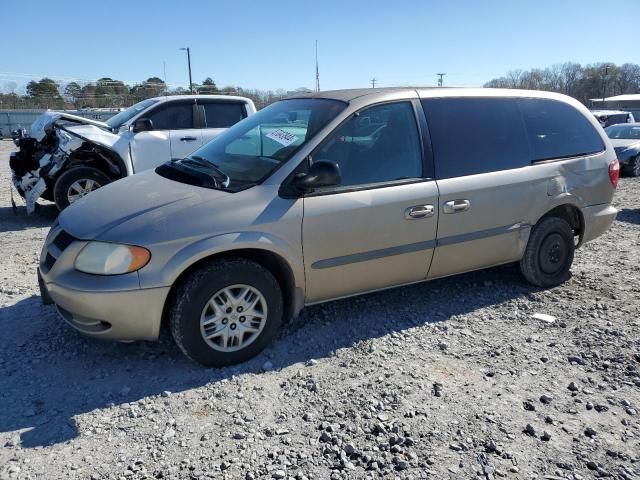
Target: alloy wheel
80,188
233,318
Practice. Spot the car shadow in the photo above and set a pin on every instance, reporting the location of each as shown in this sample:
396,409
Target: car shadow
15,219
49,374
629,215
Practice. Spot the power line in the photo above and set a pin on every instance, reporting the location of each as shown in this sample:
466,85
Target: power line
13,76
373,82
440,75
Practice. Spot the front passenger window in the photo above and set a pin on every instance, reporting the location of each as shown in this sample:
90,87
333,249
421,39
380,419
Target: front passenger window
379,144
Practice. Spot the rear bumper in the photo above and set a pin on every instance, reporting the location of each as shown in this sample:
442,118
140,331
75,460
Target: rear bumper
597,219
121,315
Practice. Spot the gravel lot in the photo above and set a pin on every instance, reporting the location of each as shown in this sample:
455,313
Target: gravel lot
449,379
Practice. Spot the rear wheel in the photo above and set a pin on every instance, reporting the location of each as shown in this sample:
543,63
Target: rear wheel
633,168
549,253
226,312
75,183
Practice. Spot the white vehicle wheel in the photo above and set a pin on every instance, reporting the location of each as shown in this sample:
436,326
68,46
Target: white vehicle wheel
76,183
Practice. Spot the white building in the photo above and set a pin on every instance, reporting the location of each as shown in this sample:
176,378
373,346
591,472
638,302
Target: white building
628,103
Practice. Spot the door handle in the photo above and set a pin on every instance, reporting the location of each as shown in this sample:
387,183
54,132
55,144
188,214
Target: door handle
456,206
188,139
419,211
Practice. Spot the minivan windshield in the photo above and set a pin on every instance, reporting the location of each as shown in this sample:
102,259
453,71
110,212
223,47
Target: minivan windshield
117,120
623,131
254,148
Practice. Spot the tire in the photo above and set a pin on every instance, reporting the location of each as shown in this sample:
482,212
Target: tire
549,254
47,195
633,168
192,305
75,177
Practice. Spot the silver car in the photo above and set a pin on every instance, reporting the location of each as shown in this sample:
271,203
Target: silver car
326,196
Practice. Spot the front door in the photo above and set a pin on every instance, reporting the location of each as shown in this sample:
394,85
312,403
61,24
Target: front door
173,136
377,228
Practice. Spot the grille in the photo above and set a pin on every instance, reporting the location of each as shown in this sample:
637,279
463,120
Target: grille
49,261
63,240
57,243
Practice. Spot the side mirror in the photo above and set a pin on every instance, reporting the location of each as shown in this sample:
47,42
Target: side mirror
323,173
142,125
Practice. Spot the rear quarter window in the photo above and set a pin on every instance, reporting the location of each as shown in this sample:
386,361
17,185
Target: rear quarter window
557,130
475,135
222,114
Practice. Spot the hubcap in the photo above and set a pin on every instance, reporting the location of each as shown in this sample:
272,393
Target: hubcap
80,188
553,254
233,318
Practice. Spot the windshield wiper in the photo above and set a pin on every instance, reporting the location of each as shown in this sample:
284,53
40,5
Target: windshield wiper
203,162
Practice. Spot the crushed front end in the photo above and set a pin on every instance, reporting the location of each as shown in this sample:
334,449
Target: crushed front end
41,156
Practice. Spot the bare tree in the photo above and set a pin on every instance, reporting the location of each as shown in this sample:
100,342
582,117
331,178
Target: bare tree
584,83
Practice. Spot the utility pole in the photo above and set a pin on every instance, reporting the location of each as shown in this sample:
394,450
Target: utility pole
164,68
189,62
440,75
317,70
373,82
604,83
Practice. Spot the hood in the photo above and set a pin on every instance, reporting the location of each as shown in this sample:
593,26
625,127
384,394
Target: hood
93,134
619,143
145,194
39,127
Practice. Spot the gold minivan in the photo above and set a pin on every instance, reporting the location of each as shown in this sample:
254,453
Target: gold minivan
329,195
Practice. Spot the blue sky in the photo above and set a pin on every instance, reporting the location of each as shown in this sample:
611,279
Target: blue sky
270,45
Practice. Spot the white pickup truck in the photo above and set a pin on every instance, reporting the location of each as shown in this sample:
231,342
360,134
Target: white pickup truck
66,156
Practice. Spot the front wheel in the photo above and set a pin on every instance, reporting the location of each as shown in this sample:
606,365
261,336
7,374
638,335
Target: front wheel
549,253
75,183
226,312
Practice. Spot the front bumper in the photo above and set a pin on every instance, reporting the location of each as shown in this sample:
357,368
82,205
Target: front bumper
124,315
110,307
597,219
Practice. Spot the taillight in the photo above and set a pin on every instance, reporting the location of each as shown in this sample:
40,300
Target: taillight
614,172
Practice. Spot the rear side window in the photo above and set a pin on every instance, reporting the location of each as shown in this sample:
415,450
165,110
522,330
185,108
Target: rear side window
475,135
556,130
222,114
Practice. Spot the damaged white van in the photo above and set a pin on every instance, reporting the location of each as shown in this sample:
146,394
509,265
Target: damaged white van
66,156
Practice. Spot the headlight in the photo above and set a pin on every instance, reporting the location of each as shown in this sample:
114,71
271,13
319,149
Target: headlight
101,258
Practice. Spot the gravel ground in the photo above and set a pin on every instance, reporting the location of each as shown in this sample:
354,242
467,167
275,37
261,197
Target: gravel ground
449,379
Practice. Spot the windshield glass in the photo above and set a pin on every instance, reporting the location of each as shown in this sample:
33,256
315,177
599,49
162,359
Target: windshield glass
623,131
251,150
117,120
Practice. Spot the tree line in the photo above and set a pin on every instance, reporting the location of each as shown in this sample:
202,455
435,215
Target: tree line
593,81
107,92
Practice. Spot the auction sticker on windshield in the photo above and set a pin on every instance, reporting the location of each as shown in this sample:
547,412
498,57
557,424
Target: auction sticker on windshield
283,138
